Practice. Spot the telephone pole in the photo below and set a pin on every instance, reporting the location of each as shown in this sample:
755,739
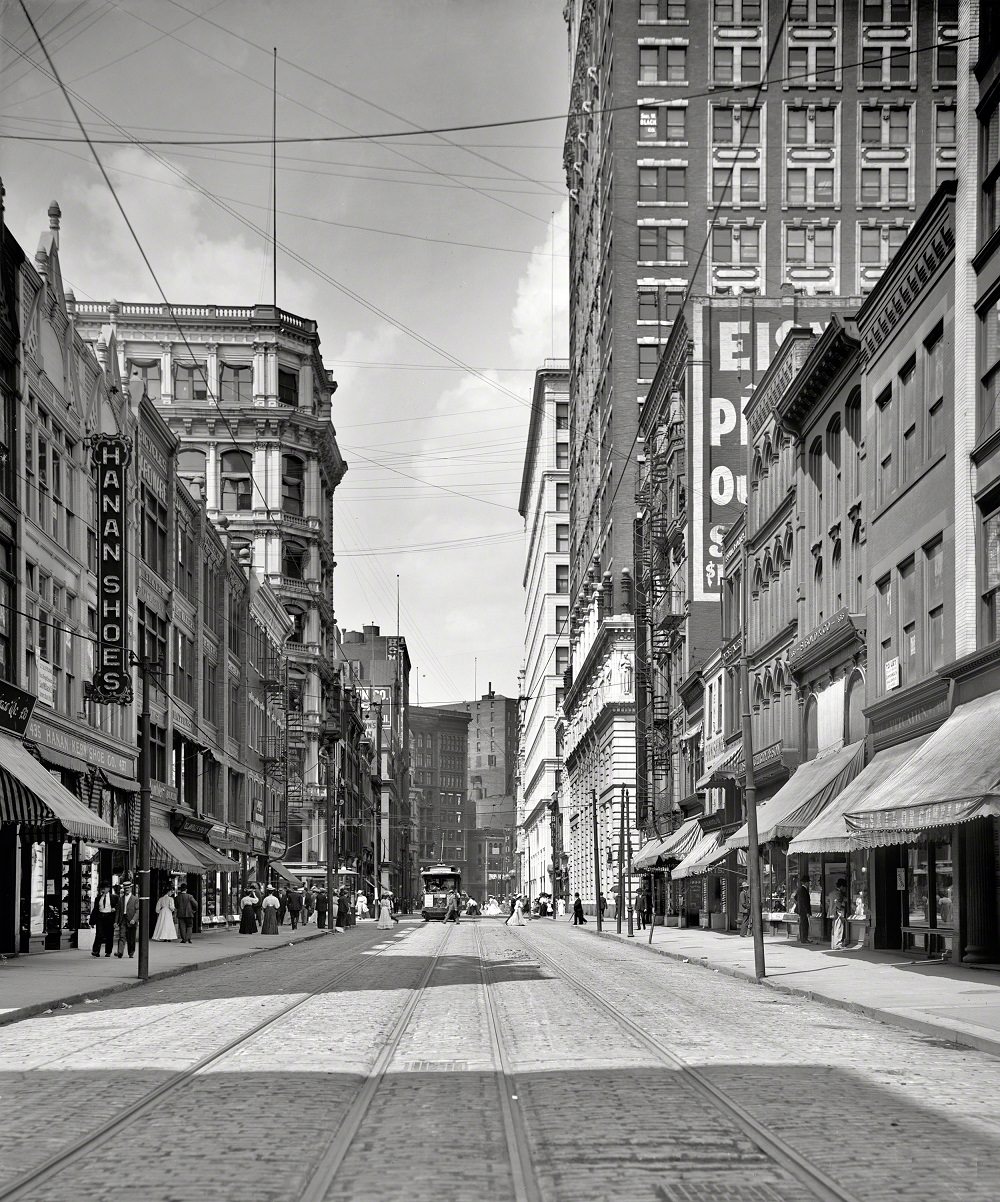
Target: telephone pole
143,874
750,788
597,861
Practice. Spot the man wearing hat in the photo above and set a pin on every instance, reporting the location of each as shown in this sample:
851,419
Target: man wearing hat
126,920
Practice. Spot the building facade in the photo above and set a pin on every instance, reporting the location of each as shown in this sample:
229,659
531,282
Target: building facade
245,393
439,758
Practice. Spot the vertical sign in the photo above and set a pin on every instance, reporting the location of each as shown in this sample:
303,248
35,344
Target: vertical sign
112,683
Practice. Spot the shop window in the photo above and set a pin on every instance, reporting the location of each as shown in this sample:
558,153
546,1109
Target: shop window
810,743
929,895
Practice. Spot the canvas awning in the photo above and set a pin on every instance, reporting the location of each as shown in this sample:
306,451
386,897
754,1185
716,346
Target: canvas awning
702,856
30,794
806,793
213,861
649,853
828,832
287,876
171,852
722,770
952,778
682,841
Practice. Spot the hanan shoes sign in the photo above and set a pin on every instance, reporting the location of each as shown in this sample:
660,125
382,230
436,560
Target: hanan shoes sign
112,683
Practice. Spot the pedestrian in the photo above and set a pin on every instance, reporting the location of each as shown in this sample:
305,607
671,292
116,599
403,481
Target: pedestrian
102,919
186,908
743,910
604,904
640,909
343,905
451,907
293,904
165,931
248,913
322,904
516,918
362,908
578,918
334,900
837,906
282,896
308,905
385,922
270,907
560,910
127,920
803,908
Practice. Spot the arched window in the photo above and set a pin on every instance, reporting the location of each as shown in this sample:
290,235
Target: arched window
810,731
298,631
833,460
294,558
816,489
237,481
293,479
854,717
191,461
819,601
836,579
852,451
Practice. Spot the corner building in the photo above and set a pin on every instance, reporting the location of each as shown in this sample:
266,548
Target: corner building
245,393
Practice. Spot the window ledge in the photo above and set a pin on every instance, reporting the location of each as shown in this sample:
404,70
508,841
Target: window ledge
985,447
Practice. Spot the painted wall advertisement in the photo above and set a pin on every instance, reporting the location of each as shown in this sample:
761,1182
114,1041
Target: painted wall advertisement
734,340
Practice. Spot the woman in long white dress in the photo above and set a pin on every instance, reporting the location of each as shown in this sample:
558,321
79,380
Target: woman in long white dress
361,908
166,929
385,914
517,917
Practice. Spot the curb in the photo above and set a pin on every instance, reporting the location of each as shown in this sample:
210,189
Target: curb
960,1039
73,999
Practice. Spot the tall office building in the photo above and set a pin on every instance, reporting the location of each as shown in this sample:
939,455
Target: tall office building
439,755
684,170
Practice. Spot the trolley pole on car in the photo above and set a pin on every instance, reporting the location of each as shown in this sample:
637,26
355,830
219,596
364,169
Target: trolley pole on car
143,874
597,861
627,806
750,787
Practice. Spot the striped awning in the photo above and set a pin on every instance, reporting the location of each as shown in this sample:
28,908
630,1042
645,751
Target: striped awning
31,795
171,852
213,860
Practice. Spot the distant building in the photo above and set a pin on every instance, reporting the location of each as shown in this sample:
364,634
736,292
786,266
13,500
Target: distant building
439,757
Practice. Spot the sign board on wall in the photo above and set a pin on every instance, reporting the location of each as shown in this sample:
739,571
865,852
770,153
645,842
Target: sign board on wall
892,673
112,683
45,682
734,340
15,708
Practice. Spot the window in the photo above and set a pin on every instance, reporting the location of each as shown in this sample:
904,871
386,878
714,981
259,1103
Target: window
886,627
909,658
562,539
741,185
152,636
183,680
723,58
989,366
288,386
736,244
662,244
810,64
885,485
154,533
676,58
294,560
191,462
649,359
236,384
190,382
934,393
991,576
562,498
562,619
989,173
797,127
886,12
562,415
934,603
147,373
885,64
293,472
562,578
947,64
237,476
210,691
562,659
871,126
187,559
649,64
911,449
562,455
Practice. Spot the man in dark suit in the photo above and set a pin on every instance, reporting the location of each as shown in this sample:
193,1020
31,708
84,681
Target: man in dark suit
102,919
186,910
803,908
127,920
293,903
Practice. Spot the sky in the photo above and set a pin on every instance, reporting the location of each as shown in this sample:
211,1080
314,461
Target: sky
435,265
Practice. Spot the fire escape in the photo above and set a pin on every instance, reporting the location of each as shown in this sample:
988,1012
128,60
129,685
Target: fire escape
274,759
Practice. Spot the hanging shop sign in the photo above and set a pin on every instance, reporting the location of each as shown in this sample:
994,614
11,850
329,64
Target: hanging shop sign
15,708
112,683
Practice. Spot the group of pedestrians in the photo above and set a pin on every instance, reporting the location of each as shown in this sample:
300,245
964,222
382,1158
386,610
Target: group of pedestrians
115,919
265,910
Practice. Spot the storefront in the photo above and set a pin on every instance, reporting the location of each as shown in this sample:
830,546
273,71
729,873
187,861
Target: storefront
224,888
657,856
48,841
805,795
697,892
931,832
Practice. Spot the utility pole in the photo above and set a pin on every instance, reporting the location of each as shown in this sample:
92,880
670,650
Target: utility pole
144,806
750,788
597,861
627,805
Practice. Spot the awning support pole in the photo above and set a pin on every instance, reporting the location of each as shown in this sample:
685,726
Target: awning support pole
145,901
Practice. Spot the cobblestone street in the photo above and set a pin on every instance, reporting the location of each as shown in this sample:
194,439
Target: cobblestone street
485,1062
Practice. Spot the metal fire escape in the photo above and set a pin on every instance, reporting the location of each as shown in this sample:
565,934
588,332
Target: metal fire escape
274,759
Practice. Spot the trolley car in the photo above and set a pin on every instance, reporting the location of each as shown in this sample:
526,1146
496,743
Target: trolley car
437,881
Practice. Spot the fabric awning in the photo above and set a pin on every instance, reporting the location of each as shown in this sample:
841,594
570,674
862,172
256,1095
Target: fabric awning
171,852
213,861
702,856
721,771
29,793
285,874
828,832
806,793
952,778
649,853
682,841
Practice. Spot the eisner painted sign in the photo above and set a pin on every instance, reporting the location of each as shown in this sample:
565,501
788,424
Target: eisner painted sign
15,708
112,683
734,340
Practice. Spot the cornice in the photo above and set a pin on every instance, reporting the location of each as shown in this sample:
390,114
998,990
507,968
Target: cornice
839,632
785,366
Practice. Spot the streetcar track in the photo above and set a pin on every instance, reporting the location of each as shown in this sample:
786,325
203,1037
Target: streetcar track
516,1136
93,1140
773,1146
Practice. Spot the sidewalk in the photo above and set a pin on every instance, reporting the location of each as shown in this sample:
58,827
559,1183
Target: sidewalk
942,1000
32,984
